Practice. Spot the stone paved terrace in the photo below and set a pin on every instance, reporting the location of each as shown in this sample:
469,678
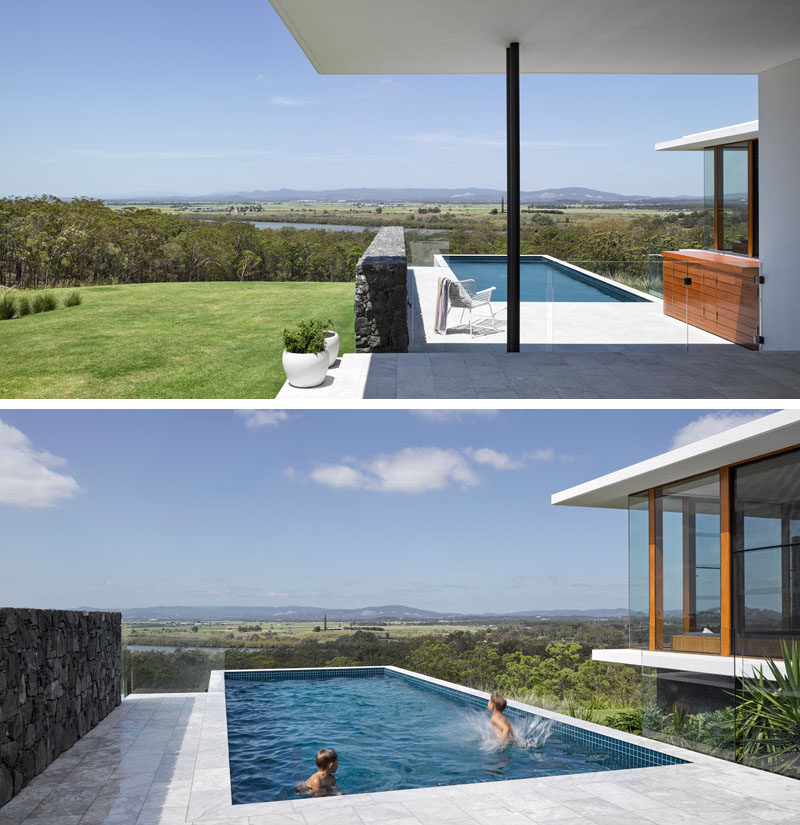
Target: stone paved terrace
602,350
162,760
611,324
629,372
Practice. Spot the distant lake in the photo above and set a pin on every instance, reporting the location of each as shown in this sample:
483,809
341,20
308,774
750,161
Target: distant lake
173,648
337,227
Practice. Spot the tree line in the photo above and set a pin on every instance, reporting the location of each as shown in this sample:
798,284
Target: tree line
606,239
47,242
549,662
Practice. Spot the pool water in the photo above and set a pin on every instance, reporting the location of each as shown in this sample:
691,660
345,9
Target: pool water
389,733
539,278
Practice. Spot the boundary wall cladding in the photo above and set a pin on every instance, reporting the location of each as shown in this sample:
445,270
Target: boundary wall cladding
381,300
60,675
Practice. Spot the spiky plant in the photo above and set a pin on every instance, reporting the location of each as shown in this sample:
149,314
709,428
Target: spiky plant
769,711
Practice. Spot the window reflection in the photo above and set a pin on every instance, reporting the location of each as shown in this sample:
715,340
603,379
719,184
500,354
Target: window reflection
767,560
688,533
734,199
639,570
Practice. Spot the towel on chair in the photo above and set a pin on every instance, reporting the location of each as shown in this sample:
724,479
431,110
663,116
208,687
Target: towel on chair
442,303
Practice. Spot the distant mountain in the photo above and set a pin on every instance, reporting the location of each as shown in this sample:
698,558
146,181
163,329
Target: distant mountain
297,613
566,195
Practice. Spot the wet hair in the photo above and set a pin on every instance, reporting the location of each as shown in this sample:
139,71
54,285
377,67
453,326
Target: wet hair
325,758
499,701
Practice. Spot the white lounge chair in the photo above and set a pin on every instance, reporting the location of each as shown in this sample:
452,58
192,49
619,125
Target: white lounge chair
462,296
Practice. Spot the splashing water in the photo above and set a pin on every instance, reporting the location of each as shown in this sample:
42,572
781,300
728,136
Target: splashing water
473,726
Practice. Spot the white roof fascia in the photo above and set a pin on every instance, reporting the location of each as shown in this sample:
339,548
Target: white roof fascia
767,434
714,137
689,662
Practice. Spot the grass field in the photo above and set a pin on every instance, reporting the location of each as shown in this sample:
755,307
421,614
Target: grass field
198,340
211,634
352,213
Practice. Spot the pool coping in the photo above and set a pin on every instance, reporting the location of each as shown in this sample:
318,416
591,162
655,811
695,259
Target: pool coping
211,789
439,261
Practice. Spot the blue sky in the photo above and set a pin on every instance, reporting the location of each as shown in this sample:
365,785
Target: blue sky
198,96
439,510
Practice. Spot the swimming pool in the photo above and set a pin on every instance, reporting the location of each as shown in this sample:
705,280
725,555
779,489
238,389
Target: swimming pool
541,279
393,730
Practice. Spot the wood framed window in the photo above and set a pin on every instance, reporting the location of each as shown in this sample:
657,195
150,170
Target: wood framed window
731,198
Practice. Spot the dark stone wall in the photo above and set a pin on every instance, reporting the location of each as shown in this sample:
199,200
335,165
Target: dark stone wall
381,303
60,673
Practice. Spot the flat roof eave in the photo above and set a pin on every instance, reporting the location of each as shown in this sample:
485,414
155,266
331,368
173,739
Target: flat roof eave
714,137
555,36
767,434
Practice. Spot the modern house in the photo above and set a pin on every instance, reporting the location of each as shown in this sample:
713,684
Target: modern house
596,37
718,288
714,560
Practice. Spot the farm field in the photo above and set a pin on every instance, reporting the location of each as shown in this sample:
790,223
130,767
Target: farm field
448,214
165,340
246,634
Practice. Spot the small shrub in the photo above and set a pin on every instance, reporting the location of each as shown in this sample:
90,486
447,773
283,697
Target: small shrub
628,720
73,299
23,306
49,302
43,302
306,337
7,307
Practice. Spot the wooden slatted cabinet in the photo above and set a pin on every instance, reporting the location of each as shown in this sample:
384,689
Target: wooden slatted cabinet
722,297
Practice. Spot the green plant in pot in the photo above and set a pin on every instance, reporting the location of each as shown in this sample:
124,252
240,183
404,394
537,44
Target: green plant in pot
305,358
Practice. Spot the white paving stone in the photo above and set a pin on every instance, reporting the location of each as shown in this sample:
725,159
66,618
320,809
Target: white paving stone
192,728
589,350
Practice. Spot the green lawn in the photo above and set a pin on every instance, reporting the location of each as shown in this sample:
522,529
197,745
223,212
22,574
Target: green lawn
199,340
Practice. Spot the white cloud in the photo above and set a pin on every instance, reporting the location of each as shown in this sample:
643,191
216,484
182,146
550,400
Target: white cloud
188,154
419,469
452,415
255,419
497,141
541,455
711,424
340,476
282,100
410,470
26,477
500,461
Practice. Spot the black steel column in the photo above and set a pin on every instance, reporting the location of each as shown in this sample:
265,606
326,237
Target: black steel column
512,195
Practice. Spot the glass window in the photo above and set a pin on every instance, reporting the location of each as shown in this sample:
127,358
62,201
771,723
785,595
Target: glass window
733,235
639,570
709,159
688,534
766,511
767,502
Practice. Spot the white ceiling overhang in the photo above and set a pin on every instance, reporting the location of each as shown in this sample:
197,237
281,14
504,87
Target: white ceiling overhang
555,36
768,434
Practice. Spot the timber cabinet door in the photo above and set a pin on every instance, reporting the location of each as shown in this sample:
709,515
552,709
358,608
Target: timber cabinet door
722,298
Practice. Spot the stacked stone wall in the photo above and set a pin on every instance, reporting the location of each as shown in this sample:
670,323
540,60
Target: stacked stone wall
60,674
381,303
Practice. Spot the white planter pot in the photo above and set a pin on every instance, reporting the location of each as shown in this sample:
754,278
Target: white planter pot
305,369
331,346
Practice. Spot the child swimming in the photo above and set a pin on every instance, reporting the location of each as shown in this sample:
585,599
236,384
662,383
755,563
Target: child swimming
323,782
501,727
